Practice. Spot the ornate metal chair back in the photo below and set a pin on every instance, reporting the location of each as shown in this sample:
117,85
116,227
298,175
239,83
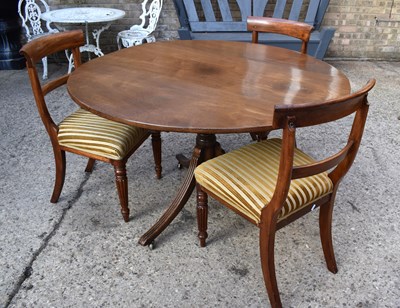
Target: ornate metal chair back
150,15
30,12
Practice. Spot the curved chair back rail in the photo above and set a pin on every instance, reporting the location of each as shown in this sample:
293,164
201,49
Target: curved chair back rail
82,132
296,29
272,183
72,40
40,48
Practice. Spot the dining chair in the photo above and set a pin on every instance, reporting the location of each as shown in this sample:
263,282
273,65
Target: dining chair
83,132
296,29
30,12
272,183
142,33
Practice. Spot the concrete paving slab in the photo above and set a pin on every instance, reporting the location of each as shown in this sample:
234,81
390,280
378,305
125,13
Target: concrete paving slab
80,253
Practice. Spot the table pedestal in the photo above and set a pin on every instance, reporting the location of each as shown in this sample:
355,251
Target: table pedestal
206,148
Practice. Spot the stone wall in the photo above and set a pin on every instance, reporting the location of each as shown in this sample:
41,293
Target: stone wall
366,29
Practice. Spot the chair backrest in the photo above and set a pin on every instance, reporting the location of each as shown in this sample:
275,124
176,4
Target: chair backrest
291,117
30,12
296,29
41,47
150,15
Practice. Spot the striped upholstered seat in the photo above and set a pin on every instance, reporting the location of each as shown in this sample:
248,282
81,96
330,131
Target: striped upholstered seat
246,179
88,132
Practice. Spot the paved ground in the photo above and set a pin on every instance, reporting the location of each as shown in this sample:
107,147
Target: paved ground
79,252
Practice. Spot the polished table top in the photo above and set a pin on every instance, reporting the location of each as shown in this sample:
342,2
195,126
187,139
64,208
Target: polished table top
202,86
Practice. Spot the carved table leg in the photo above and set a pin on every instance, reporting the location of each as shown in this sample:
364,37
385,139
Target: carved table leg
204,150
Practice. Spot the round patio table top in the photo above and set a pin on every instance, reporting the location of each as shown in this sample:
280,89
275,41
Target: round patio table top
83,14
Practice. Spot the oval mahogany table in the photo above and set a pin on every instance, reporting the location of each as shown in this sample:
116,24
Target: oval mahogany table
202,87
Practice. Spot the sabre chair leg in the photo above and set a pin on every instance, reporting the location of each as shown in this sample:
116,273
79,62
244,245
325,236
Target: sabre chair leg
325,226
90,165
59,157
267,242
121,181
202,215
156,144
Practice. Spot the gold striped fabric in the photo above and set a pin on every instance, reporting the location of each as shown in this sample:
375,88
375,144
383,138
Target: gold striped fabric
246,179
88,132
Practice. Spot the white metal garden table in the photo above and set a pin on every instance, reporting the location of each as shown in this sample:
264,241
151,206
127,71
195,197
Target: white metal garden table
86,16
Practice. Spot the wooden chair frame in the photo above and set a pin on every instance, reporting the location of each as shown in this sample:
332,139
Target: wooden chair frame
296,29
289,118
34,51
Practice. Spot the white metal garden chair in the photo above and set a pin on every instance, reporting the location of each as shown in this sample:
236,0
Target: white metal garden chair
143,33
30,12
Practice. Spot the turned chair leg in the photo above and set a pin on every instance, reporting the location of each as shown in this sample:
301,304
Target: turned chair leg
90,165
156,144
202,215
59,157
267,242
121,181
325,227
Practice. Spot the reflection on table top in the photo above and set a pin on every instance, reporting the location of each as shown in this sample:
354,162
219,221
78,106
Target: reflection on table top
202,86
83,14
